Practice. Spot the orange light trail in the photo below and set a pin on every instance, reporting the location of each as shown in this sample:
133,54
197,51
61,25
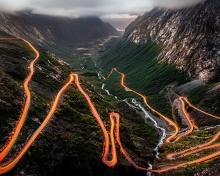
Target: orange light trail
26,106
171,156
169,139
165,169
105,160
8,166
190,104
197,150
12,38
114,120
189,151
191,126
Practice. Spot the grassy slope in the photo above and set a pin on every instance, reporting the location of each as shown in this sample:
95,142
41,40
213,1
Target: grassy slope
141,65
143,71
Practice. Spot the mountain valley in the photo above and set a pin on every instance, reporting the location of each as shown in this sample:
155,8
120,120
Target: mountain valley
157,85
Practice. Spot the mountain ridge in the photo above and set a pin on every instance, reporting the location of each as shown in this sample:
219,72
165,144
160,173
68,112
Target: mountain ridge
55,32
190,37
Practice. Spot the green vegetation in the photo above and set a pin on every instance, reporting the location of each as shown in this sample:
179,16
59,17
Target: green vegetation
198,168
13,52
161,104
143,72
208,101
133,122
206,133
73,140
13,64
50,68
140,63
196,95
113,84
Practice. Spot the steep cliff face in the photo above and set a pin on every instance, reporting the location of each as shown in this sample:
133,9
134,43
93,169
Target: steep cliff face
190,37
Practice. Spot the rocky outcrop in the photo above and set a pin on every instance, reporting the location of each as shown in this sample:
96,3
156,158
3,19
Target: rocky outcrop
190,37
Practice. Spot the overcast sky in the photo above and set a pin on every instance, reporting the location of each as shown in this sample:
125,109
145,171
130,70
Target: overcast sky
118,12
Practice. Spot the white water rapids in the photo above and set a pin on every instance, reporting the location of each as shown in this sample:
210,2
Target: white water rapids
150,167
99,75
147,116
107,91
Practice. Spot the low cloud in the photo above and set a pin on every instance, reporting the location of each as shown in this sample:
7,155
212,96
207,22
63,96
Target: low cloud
77,7
90,7
176,3
113,11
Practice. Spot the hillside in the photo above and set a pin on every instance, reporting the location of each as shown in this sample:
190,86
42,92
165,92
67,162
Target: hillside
58,149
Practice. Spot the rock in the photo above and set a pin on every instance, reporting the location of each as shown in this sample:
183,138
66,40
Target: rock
207,75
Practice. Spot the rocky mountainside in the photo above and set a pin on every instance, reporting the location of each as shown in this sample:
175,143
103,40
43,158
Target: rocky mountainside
55,32
190,37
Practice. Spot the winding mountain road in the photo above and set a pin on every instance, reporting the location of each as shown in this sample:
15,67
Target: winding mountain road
5,167
115,123
175,137
9,165
26,106
105,160
169,121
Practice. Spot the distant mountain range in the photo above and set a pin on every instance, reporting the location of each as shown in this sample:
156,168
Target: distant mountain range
55,32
